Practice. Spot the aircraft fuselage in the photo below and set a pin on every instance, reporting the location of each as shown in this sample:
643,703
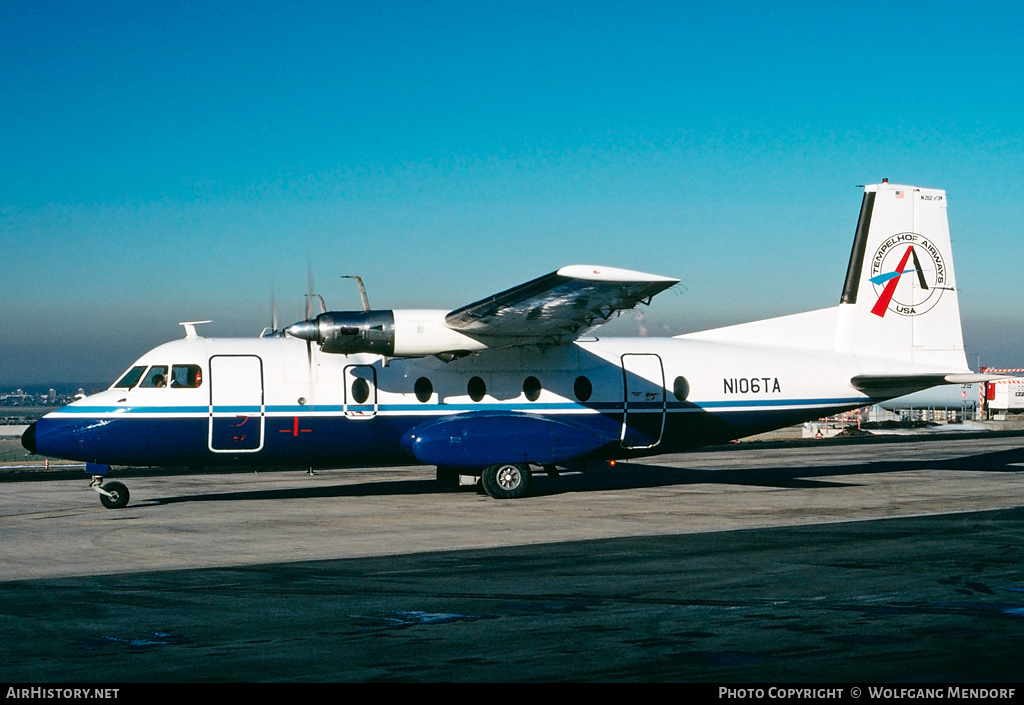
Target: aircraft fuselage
269,401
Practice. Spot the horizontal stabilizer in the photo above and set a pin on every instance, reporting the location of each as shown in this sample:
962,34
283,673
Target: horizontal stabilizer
890,386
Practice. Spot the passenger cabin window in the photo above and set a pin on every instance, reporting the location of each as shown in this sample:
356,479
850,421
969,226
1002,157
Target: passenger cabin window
156,377
531,388
476,388
423,389
582,388
360,390
131,377
681,388
186,376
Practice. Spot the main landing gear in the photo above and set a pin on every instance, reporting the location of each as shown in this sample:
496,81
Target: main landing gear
500,481
506,480
113,494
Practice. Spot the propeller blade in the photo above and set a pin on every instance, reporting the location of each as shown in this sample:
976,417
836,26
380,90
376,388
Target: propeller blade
273,310
309,290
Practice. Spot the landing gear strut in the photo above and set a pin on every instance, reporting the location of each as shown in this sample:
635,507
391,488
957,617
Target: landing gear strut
113,495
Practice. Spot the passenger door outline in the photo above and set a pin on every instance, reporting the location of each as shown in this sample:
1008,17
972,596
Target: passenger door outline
643,406
237,406
368,407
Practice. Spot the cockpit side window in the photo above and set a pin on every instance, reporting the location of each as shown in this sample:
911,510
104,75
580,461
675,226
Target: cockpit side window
186,376
156,377
131,377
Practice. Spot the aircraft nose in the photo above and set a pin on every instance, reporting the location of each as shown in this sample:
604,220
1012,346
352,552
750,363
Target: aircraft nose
28,438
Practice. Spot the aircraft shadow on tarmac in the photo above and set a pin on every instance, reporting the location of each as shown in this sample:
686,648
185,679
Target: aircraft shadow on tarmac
634,475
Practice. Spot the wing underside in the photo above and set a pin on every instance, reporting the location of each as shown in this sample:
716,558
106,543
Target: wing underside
558,307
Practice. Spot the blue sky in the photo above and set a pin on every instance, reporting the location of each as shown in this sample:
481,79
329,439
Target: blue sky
162,162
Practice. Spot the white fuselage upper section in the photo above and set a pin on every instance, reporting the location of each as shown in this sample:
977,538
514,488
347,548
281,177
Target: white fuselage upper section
718,378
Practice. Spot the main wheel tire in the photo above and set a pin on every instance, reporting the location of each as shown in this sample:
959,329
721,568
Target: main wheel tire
506,480
118,498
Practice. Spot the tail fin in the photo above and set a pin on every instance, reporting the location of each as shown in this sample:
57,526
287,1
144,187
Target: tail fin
900,300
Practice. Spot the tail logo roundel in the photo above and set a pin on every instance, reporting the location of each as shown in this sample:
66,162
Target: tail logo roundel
908,274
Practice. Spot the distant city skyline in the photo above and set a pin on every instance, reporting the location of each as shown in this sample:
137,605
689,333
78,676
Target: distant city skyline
164,163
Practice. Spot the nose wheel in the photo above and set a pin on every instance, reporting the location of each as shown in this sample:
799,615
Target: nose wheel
113,495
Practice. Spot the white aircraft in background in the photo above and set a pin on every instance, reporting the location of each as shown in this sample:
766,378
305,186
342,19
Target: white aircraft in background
955,397
518,380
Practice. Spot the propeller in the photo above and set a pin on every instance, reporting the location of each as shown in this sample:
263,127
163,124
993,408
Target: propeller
273,311
272,331
310,294
308,328
307,322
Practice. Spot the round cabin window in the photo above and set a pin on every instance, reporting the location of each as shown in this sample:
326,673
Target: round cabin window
531,388
360,390
582,388
476,388
423,389
681,388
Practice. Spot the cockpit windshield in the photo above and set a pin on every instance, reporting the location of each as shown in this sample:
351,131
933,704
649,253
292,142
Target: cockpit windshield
182,377
131,377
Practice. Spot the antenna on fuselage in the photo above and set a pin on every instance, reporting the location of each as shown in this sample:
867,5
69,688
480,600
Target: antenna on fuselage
190,328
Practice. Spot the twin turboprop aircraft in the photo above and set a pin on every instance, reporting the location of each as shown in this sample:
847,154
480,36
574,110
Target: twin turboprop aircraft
517,381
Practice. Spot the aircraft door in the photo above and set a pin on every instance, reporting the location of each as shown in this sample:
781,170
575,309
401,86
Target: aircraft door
236,404
643,418
360,391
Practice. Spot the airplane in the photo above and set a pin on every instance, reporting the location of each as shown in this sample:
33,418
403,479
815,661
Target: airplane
956,397
516,381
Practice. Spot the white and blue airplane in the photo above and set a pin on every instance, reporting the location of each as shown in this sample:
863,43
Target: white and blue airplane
517,381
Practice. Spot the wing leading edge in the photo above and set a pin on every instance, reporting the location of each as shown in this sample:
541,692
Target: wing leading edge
558,307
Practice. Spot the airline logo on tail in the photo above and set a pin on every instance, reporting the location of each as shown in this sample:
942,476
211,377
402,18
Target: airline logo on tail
908,274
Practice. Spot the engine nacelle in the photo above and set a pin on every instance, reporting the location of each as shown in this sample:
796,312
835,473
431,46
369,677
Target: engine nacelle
397,333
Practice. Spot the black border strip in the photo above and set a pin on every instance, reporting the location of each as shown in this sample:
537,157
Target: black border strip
860,243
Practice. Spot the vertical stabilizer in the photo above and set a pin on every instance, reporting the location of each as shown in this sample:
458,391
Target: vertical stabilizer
899,300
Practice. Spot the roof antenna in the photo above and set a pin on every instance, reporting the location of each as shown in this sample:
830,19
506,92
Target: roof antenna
190,328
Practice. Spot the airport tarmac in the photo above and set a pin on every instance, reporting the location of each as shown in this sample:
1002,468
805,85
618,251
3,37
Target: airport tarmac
832,561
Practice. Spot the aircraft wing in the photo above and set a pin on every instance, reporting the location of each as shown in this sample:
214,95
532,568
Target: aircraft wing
558,307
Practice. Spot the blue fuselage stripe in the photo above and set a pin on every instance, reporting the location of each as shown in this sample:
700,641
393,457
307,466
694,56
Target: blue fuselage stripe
322,438
444,409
